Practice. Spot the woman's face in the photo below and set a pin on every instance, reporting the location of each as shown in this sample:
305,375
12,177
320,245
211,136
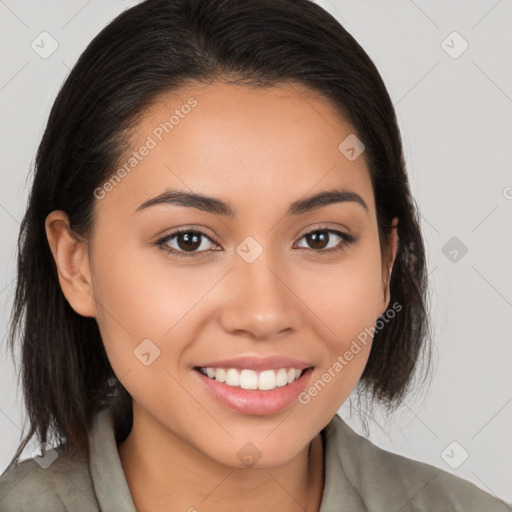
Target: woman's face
259,286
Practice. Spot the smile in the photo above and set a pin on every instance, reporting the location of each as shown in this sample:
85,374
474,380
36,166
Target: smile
254,392
251,379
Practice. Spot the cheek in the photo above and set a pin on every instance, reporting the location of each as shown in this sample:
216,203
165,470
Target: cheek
347,295
132,282
141,296
142,323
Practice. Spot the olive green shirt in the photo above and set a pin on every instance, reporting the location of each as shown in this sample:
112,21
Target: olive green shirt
359,477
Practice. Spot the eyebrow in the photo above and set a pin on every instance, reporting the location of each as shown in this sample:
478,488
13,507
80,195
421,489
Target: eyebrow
219,207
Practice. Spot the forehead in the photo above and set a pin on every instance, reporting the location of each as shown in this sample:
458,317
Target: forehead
243,144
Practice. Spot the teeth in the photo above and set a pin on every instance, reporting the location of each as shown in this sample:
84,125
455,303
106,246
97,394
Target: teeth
220,374
281,378
267,380
249,379
232,377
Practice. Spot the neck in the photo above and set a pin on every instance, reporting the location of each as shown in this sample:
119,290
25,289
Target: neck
165,473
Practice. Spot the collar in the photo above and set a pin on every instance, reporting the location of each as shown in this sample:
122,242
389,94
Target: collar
113,493
107,473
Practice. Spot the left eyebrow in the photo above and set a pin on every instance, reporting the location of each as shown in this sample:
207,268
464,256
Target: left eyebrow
325,198
219,207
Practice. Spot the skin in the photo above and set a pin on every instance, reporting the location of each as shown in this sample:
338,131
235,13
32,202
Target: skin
260,150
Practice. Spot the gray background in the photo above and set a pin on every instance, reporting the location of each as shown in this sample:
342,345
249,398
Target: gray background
454,111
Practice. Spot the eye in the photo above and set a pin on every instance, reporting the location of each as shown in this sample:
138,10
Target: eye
327,240
186,243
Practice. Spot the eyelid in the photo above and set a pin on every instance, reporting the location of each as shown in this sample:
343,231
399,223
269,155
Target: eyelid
200,230
325,227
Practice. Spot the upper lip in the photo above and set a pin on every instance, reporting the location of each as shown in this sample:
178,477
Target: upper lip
258,363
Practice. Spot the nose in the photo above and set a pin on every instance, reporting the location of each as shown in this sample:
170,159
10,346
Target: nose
261,303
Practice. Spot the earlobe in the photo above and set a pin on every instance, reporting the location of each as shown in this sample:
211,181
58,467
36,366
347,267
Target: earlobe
72,262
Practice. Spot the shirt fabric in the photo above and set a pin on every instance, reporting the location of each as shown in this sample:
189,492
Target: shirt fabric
359,477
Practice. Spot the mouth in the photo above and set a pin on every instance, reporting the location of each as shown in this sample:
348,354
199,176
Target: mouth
250,392
246,378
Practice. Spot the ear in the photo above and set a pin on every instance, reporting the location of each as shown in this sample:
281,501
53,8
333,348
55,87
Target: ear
72,261
390,260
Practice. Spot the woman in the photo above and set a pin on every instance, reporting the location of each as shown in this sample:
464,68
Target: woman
220,246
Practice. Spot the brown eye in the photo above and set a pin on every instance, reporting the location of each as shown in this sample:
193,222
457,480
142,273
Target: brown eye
327,240
185,243
188,241
318,239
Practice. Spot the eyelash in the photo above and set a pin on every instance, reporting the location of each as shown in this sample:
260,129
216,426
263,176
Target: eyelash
346,240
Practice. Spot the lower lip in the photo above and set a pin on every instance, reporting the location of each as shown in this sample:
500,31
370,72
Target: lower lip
254,401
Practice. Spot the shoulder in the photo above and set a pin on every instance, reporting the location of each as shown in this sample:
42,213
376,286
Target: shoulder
59,482
384,477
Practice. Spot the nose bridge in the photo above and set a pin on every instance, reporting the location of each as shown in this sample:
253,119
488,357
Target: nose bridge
259,303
